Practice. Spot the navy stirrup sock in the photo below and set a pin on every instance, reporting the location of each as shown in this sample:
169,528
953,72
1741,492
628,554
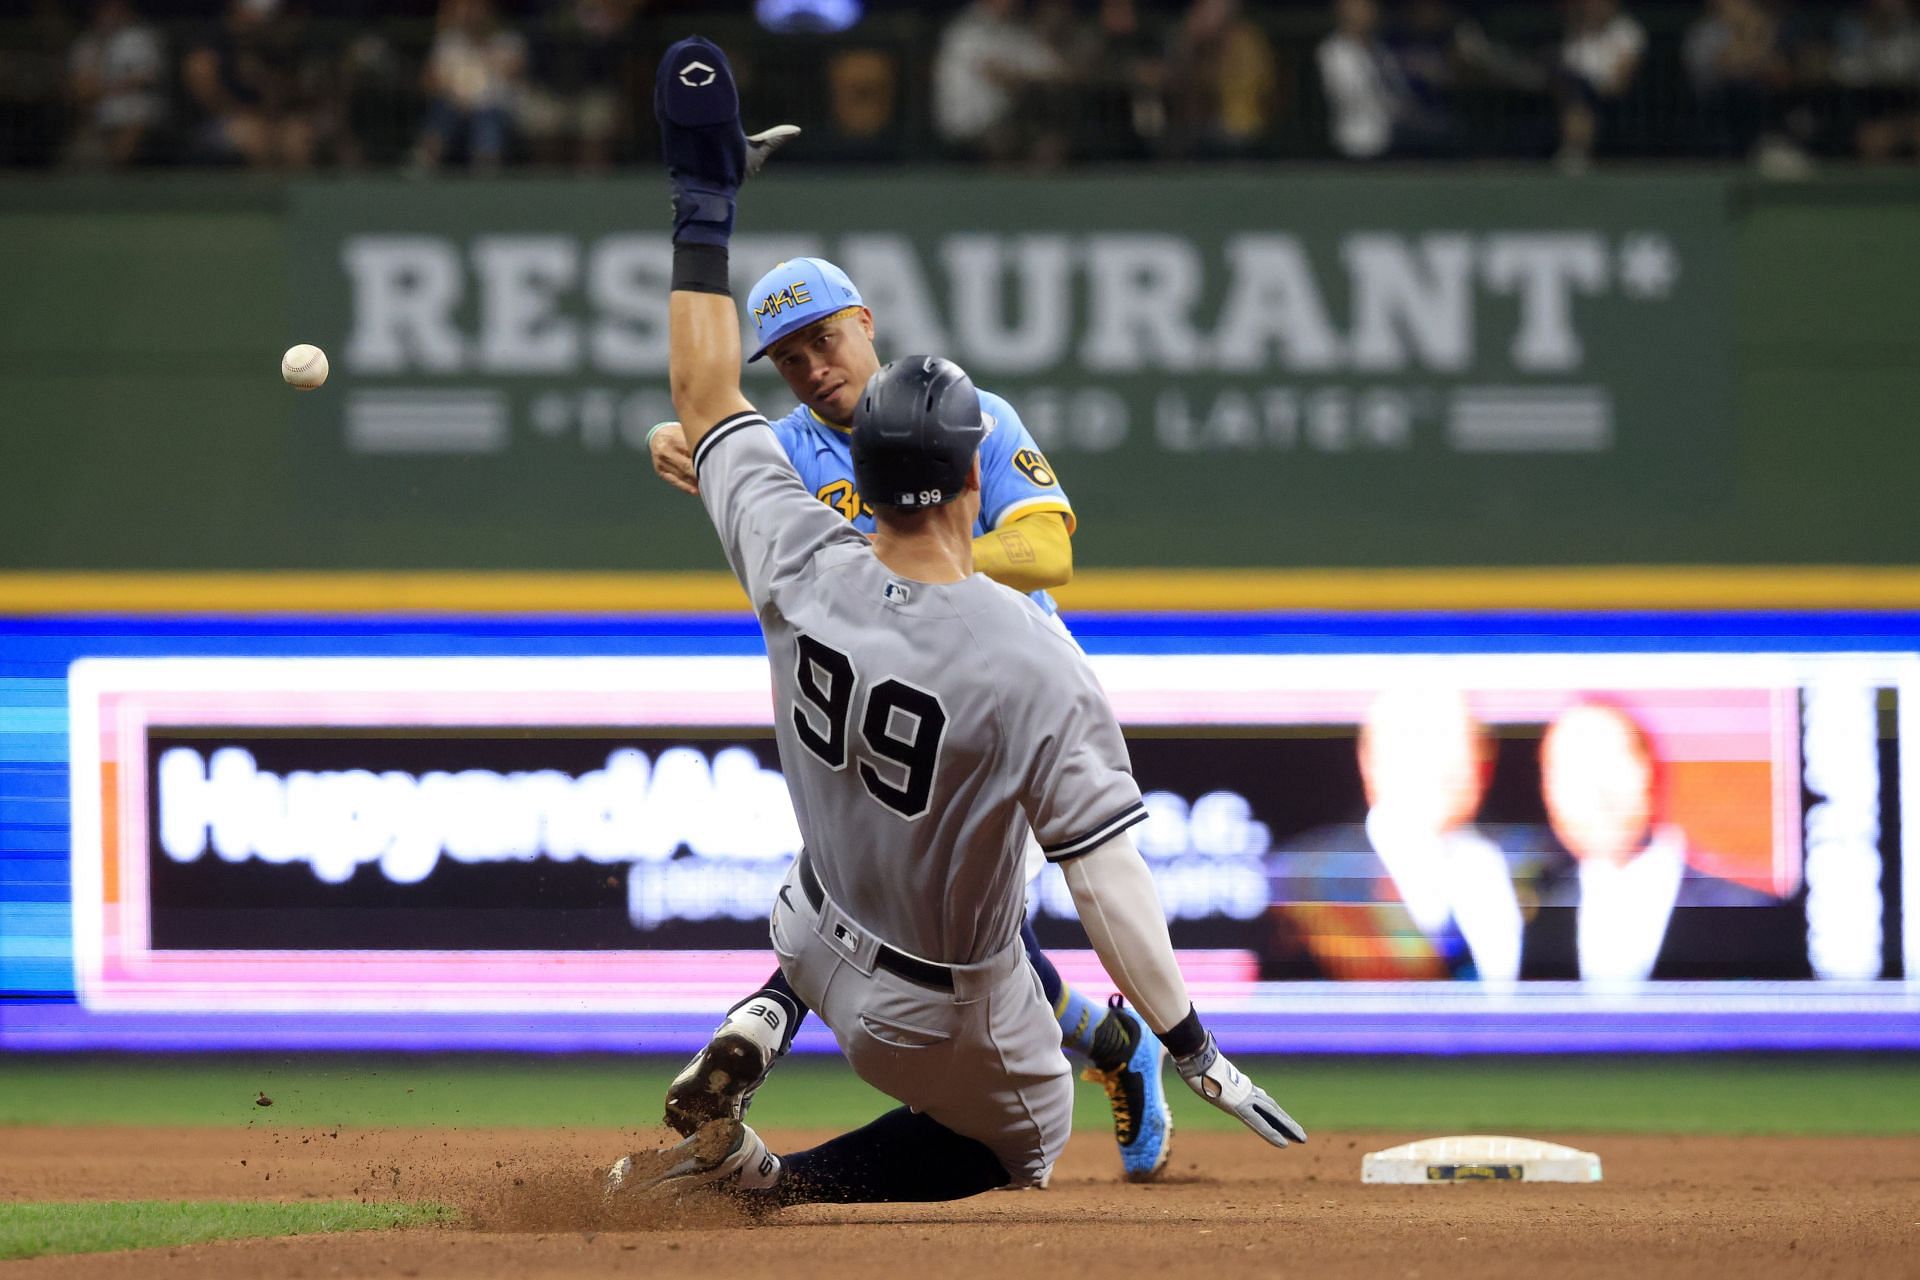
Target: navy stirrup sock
903,1156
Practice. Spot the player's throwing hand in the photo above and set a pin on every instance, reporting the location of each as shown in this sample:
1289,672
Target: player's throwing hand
672,462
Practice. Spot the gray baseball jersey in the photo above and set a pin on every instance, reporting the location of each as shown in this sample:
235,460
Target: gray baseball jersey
921,727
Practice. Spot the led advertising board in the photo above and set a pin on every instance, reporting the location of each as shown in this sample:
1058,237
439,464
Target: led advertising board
1431,844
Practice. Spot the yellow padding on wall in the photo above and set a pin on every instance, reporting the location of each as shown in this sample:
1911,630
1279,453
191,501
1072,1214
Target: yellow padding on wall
1145,590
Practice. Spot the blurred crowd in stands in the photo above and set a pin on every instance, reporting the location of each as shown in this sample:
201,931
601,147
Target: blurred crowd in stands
421,85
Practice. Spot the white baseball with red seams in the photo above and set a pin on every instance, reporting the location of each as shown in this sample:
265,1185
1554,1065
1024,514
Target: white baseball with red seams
304,366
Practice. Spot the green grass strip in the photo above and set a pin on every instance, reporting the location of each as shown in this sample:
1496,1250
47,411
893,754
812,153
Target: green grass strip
1819,1095
1754,1094
36,1230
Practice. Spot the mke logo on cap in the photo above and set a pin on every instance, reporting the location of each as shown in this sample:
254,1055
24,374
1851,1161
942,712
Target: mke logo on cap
794,295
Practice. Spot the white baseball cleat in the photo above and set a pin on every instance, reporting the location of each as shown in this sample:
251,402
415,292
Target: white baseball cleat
724,1155
719,1082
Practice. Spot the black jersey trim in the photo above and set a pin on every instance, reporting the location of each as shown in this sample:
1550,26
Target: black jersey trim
722,429
1066,850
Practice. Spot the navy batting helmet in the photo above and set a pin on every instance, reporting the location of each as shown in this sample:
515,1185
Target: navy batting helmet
915,433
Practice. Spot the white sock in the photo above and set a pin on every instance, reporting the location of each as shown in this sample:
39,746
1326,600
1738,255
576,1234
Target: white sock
760,1169
762,1020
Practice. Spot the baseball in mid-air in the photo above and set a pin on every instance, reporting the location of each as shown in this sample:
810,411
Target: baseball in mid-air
304,366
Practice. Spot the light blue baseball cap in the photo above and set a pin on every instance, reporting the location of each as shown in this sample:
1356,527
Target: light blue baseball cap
793,295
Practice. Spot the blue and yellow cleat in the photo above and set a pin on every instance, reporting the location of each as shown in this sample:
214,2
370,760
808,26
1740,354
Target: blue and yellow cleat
1142,1121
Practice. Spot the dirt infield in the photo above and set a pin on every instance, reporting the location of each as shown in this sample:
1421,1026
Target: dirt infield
1670,1206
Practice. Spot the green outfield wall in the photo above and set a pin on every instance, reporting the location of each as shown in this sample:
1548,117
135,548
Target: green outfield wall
1296,369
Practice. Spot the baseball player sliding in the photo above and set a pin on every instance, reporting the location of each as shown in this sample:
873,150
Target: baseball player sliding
926,716
812,325
811,322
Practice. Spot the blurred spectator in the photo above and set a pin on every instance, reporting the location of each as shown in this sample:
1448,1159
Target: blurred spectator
1440,51
577,102
473,80
255,90
1109,101
1876,57
379,97
1424,43
863,94
1471,93
116,78
1222,80
1365,89
1375,108
1120,64
284,83
1059,105
989,65
1736,62
33,78
1599,59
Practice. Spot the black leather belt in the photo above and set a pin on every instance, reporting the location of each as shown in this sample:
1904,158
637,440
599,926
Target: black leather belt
924,972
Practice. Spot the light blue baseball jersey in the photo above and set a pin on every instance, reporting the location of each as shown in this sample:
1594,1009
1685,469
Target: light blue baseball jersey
1015,479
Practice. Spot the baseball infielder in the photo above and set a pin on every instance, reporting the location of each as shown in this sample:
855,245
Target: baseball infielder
925,717
812,324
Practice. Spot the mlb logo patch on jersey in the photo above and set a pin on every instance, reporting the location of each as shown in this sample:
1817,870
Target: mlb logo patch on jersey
895,592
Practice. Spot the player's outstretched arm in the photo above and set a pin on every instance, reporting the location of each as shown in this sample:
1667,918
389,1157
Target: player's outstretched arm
770,526
708,156
703,357
1114,894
